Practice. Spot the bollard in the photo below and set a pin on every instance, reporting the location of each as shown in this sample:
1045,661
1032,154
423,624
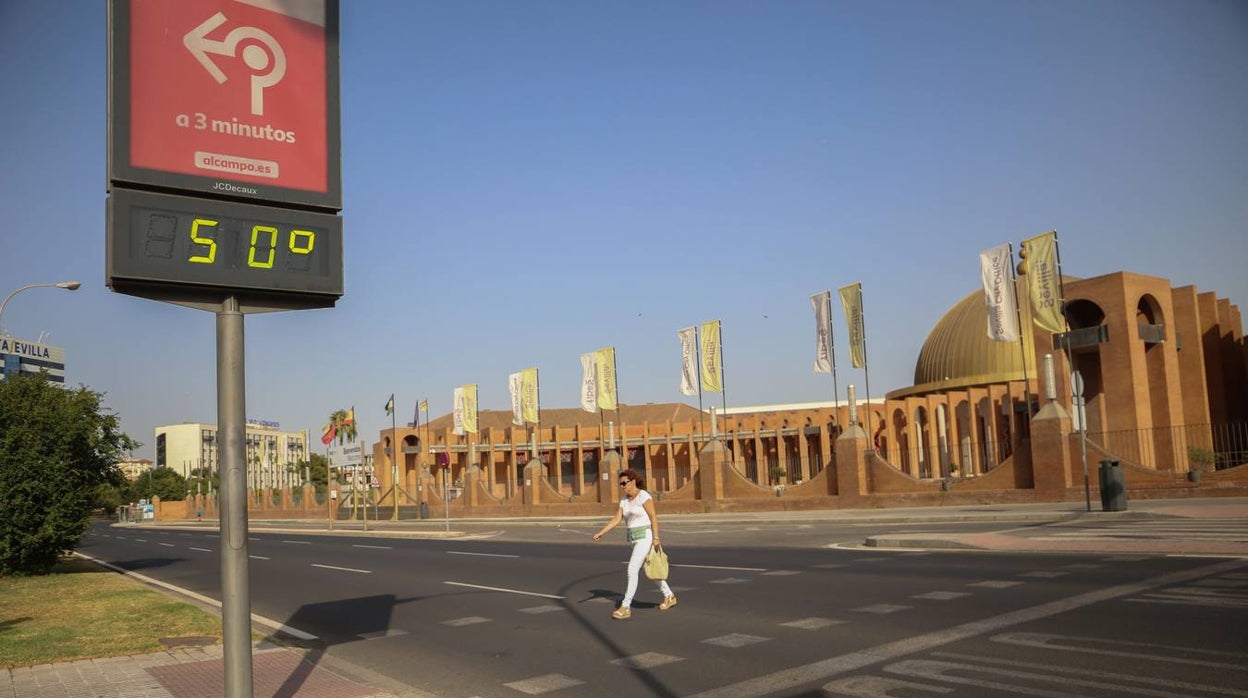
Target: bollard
1113,486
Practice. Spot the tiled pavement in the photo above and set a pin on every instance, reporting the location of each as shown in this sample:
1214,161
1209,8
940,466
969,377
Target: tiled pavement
182,673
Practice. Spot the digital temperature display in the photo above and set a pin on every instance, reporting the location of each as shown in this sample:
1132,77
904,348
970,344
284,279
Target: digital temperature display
162,240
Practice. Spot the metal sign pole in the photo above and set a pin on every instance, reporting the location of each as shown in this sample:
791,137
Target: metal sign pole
231,429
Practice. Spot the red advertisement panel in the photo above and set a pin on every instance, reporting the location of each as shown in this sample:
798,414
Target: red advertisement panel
233,90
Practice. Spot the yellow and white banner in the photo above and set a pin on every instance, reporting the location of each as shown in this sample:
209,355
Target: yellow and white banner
589,382
457,411
1043,283
821,303
998,280
515,388
470,408
851,303
688,360
712,358
605,364
529,402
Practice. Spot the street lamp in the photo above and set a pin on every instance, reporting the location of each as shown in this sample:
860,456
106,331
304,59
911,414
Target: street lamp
67,285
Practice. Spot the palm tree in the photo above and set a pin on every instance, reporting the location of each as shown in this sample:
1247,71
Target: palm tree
344,431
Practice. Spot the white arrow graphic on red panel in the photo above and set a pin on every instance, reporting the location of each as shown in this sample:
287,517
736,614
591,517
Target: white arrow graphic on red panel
254,55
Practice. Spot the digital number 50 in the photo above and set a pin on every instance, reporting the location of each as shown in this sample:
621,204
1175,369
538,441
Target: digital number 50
299,242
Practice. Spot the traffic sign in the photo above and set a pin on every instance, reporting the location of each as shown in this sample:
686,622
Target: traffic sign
229,98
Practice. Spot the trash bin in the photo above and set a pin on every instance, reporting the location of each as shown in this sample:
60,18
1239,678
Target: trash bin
1113,486
424,510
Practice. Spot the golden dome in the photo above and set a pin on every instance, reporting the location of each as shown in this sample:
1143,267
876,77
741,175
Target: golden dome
959,354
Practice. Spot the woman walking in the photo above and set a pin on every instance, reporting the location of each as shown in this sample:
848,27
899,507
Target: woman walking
638,514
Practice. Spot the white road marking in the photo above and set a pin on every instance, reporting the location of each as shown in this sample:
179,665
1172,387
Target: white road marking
168,545
257,557
940,595
281,627
140,540
729,580
646,660
341,569
1044,574
735,640
833,666
1049,669
298,542
202,550
375,547
544,684
470,620
882,608
994,584
541,609
715,567
506,591
811,623
458,552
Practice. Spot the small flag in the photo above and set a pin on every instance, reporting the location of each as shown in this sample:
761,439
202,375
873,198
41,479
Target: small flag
608,399
1042,282
851,303
821,303
390,405
712,366
470,408
515,383
416,417
688,360
994,271
528,396
589,382
328,433
457,406
424,405
350,418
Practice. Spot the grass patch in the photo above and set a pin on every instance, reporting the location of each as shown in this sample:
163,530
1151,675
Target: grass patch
83,611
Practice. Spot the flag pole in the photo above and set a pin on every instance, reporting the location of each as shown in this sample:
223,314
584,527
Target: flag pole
723,373
1018,317
697,348
1074,368
394,461
866,365
836,391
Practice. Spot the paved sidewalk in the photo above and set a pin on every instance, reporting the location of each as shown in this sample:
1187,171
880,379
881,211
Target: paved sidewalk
196,672
1196,527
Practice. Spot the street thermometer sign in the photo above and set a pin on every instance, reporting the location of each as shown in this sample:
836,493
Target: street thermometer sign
224,152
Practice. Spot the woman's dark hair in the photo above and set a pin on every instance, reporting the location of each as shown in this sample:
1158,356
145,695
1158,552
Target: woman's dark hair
635,477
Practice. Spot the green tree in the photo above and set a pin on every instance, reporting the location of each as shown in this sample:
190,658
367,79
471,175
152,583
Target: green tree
57,446
318,471
166,483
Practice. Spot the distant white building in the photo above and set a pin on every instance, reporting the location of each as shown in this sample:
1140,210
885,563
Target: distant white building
133,467
273,455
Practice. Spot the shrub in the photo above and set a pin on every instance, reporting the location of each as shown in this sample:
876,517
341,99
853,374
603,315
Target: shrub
57,447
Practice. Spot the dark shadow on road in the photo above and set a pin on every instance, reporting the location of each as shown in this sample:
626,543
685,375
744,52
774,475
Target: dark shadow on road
360,618
654,686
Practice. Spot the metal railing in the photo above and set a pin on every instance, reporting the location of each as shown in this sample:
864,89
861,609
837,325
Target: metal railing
1171,447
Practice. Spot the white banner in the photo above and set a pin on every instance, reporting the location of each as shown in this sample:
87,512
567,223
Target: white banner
457,399
589,382
515,384
688,360
821,303
994,270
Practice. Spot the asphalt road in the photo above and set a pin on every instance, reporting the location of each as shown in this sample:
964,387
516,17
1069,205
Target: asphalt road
786,610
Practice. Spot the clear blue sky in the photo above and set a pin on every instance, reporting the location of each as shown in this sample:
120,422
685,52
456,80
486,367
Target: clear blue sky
528,181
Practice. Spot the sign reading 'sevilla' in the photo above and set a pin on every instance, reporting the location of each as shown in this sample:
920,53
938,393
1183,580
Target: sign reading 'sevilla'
234,98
